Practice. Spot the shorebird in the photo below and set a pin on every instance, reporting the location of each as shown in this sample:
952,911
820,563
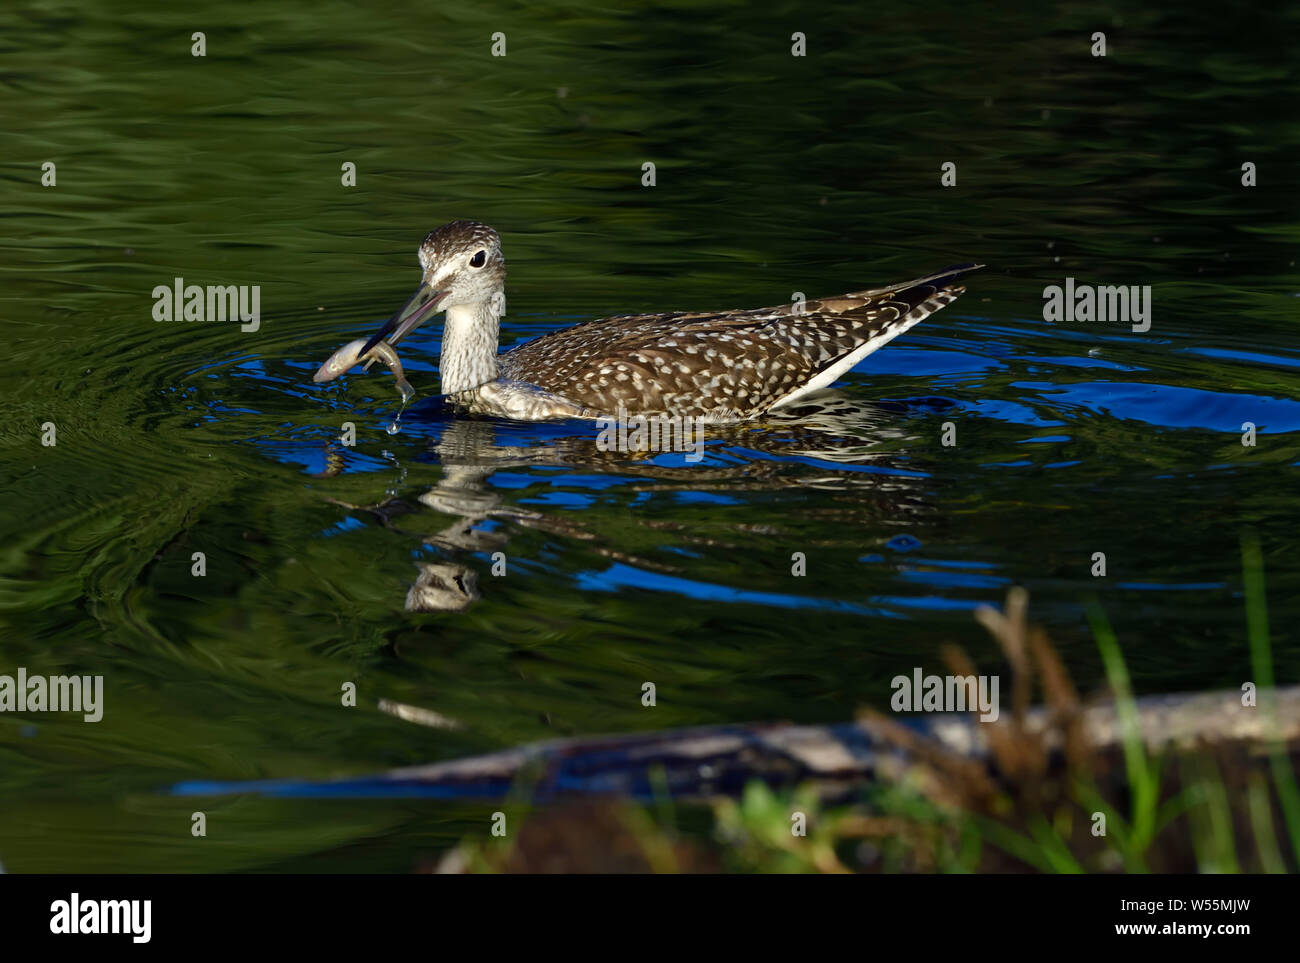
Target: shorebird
721,366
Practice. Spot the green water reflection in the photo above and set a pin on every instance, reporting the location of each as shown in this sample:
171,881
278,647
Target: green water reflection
774,174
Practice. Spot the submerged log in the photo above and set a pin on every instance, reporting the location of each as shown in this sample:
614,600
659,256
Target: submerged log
718,760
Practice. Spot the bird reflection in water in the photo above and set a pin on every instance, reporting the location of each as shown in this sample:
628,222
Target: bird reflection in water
830,431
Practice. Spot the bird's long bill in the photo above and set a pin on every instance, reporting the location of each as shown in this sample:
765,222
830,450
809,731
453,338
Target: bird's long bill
417,307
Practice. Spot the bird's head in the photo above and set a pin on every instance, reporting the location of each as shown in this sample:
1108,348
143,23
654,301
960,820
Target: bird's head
460,263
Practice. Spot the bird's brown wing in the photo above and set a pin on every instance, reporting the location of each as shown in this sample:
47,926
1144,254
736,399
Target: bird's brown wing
726,363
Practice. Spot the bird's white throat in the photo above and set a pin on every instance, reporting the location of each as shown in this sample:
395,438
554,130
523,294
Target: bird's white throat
469,345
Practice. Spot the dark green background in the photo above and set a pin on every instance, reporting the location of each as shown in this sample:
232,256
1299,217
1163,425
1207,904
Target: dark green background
775,174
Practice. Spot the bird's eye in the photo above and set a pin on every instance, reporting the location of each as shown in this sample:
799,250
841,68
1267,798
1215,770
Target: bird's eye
478,259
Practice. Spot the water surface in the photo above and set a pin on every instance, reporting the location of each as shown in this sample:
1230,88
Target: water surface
775,174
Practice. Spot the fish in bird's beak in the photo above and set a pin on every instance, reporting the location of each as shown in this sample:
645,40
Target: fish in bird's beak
418,307
353,353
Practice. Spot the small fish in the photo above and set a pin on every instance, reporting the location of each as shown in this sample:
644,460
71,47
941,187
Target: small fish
349,356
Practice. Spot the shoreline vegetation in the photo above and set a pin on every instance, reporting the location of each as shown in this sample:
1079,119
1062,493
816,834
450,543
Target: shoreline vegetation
1172,784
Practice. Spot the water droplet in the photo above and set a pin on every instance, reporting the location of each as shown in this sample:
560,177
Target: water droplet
396,426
